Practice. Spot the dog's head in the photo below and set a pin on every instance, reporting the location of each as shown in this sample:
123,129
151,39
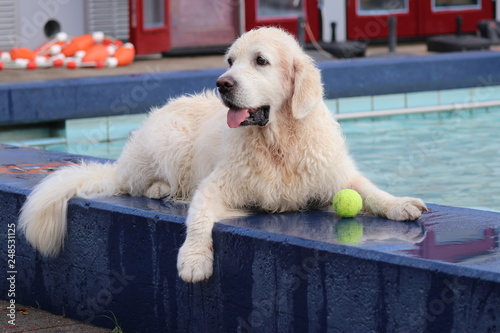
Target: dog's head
269,76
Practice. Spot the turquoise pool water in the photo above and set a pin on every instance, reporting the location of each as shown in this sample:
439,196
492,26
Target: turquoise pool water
448,158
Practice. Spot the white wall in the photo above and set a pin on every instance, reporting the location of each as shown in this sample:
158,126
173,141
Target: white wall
33,15
334,11
8,32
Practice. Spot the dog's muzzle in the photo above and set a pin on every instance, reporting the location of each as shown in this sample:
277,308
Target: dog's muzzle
259,116
237,115
245,116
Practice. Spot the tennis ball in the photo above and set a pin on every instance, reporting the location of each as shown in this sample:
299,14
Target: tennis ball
347,203
348,231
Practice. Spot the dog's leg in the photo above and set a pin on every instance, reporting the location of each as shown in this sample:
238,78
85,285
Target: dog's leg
380,203
195,260
158,190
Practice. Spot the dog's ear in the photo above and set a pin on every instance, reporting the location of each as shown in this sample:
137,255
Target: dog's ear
307,86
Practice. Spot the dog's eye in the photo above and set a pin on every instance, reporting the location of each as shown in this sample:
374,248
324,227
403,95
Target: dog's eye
230,61
261,61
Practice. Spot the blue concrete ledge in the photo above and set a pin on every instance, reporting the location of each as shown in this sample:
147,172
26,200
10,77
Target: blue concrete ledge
272,273
393,75
53,100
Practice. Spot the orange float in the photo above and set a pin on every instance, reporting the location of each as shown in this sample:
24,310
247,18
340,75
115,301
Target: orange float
123,56
97,52
82,42
22,53
90,50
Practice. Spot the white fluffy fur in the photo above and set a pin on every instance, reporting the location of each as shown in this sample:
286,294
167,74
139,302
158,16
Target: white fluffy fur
186,151
43,216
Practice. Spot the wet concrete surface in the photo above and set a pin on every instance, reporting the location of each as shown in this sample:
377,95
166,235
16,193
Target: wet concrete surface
30,319
463,237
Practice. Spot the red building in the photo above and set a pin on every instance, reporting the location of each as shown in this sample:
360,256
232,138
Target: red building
166,25
200,23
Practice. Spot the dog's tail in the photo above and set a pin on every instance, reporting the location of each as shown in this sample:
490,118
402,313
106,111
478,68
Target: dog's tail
43,216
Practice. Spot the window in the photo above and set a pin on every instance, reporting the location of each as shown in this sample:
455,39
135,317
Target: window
154,13
456,4
382,7
280,8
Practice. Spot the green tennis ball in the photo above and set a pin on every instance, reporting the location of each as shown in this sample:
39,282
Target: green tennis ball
347,203
348,231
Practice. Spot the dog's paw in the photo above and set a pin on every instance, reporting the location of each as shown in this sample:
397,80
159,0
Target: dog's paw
405,209
158,190
195,264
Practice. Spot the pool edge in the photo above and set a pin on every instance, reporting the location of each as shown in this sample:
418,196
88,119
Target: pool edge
118,255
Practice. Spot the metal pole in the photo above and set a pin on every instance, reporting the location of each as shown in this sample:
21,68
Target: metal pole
393,39
459,21
300,30
333,25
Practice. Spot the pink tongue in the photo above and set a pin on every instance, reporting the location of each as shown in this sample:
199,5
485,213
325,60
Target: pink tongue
236,116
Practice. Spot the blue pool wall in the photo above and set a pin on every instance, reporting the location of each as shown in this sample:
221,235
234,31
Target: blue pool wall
45,101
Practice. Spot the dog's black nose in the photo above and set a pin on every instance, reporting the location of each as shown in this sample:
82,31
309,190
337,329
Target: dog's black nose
225,84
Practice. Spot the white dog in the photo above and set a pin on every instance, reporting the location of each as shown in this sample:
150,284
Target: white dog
281,150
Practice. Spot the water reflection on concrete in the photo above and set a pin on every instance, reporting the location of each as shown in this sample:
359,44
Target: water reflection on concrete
460,236
449,234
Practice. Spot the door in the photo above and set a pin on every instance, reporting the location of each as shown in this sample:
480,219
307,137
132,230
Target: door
149,25
198,23
439,16
283,13
367,19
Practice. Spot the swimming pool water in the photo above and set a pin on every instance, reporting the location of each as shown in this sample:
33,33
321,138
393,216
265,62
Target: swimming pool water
449,158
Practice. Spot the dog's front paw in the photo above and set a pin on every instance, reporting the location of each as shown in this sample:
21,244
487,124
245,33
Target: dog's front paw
195,263
405,209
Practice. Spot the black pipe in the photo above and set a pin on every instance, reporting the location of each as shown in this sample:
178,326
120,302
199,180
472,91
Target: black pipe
459,21
393,39
300,30
334,31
